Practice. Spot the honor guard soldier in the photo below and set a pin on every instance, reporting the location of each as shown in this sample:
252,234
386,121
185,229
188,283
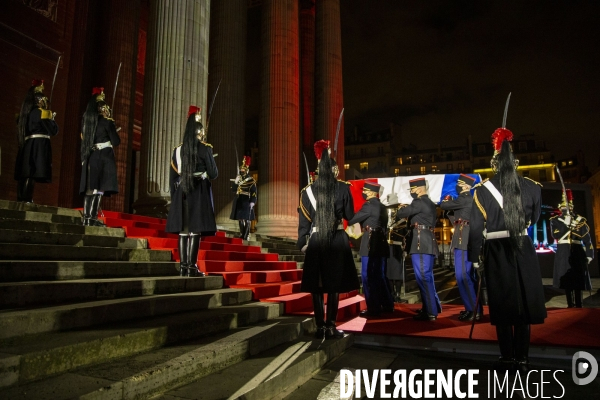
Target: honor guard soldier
242,209
574,251
34,128
465,278
191,214
399,242
424,248
99,168
374,251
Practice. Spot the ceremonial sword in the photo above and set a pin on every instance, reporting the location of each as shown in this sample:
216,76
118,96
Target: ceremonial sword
337,133
54,79
307,170
115,89
212,103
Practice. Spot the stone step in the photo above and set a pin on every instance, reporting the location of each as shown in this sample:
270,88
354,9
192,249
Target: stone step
28,359
254,277
296,258
22,294
282,246
151,374
272,374
20,251
19,206
66,317
40,217
17,271
69,239
51,227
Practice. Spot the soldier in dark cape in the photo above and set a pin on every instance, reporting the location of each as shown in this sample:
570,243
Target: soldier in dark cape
505,206
99,168
35,126
374,251
463,268
328,265
191,214
242,209
399,243
574,251
424,248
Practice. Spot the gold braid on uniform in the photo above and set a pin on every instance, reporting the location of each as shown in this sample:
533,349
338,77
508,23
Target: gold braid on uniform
536,182
304,210
479,205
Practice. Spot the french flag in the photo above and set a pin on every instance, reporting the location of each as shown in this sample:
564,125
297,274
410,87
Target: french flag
397,190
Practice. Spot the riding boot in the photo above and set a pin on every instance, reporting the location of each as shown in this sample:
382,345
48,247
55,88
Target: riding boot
505,341
332,310
569,295
28,190
183,254
87,209
21,189
193,247
242,227
521,346
247,230
319,309
578,298
96,200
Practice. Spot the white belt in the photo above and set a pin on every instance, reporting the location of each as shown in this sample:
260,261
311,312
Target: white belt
37,136
202,175
501,234
567,241
316,229
100,146
395,242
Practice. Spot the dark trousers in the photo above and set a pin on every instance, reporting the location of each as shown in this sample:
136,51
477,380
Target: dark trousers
375,287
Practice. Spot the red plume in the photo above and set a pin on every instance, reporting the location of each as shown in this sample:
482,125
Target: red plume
193,110
246,161
569,195
97,90
319,147
37,82
499,136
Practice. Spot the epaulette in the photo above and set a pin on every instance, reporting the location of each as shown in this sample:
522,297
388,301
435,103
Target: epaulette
179,145
536,182
304,188
46,114
207,144
481,183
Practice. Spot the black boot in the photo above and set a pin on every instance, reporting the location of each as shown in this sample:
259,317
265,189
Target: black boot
505,341
521,346
569,294
193,247
242,227
28,190
21,190
578,298
247,230
94,221
87,209
332,309
183,254
319,309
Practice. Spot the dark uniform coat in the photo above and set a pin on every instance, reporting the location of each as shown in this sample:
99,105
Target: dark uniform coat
399,241
372,215
462,212
200,210
100,169
515,291
422,213
34,159
570,260
329,270
245,194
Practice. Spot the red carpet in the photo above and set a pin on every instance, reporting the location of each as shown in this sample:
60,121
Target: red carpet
241,266
564,327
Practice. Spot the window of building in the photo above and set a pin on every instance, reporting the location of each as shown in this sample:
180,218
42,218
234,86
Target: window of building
563,164
380,165
434,168
449,167
482,163
539,144
380,150
363,152
540,159
543,175
570,162
423,170
461,167
408,171
396,171
399,160
522,146
409,160
524,160
448,156
346,166
364,166
481,149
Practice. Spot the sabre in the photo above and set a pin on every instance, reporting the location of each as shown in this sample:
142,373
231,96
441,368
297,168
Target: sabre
116,82
307,170
212,103
237,159
562,183
54,79
337,132
506,111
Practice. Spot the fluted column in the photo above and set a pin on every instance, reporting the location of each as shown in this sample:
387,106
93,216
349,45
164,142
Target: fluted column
307,81
328,75
176,76
278,188
227,124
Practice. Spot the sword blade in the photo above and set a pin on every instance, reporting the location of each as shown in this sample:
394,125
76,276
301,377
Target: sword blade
307,170
337,133
562,183
237,159
116,82
212,103
476,307
54,79
506,111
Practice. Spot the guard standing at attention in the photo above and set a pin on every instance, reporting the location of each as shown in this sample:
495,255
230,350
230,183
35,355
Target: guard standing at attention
242,208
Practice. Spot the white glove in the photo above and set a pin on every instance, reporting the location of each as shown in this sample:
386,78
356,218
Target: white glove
404,254
303,249
53,115
589,259
238,179
568,220
251,205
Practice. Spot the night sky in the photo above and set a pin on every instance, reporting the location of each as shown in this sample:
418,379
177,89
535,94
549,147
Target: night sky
443,70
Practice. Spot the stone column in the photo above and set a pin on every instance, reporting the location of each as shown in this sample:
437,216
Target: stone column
227,122
307,79
278,187
176,76
328,75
